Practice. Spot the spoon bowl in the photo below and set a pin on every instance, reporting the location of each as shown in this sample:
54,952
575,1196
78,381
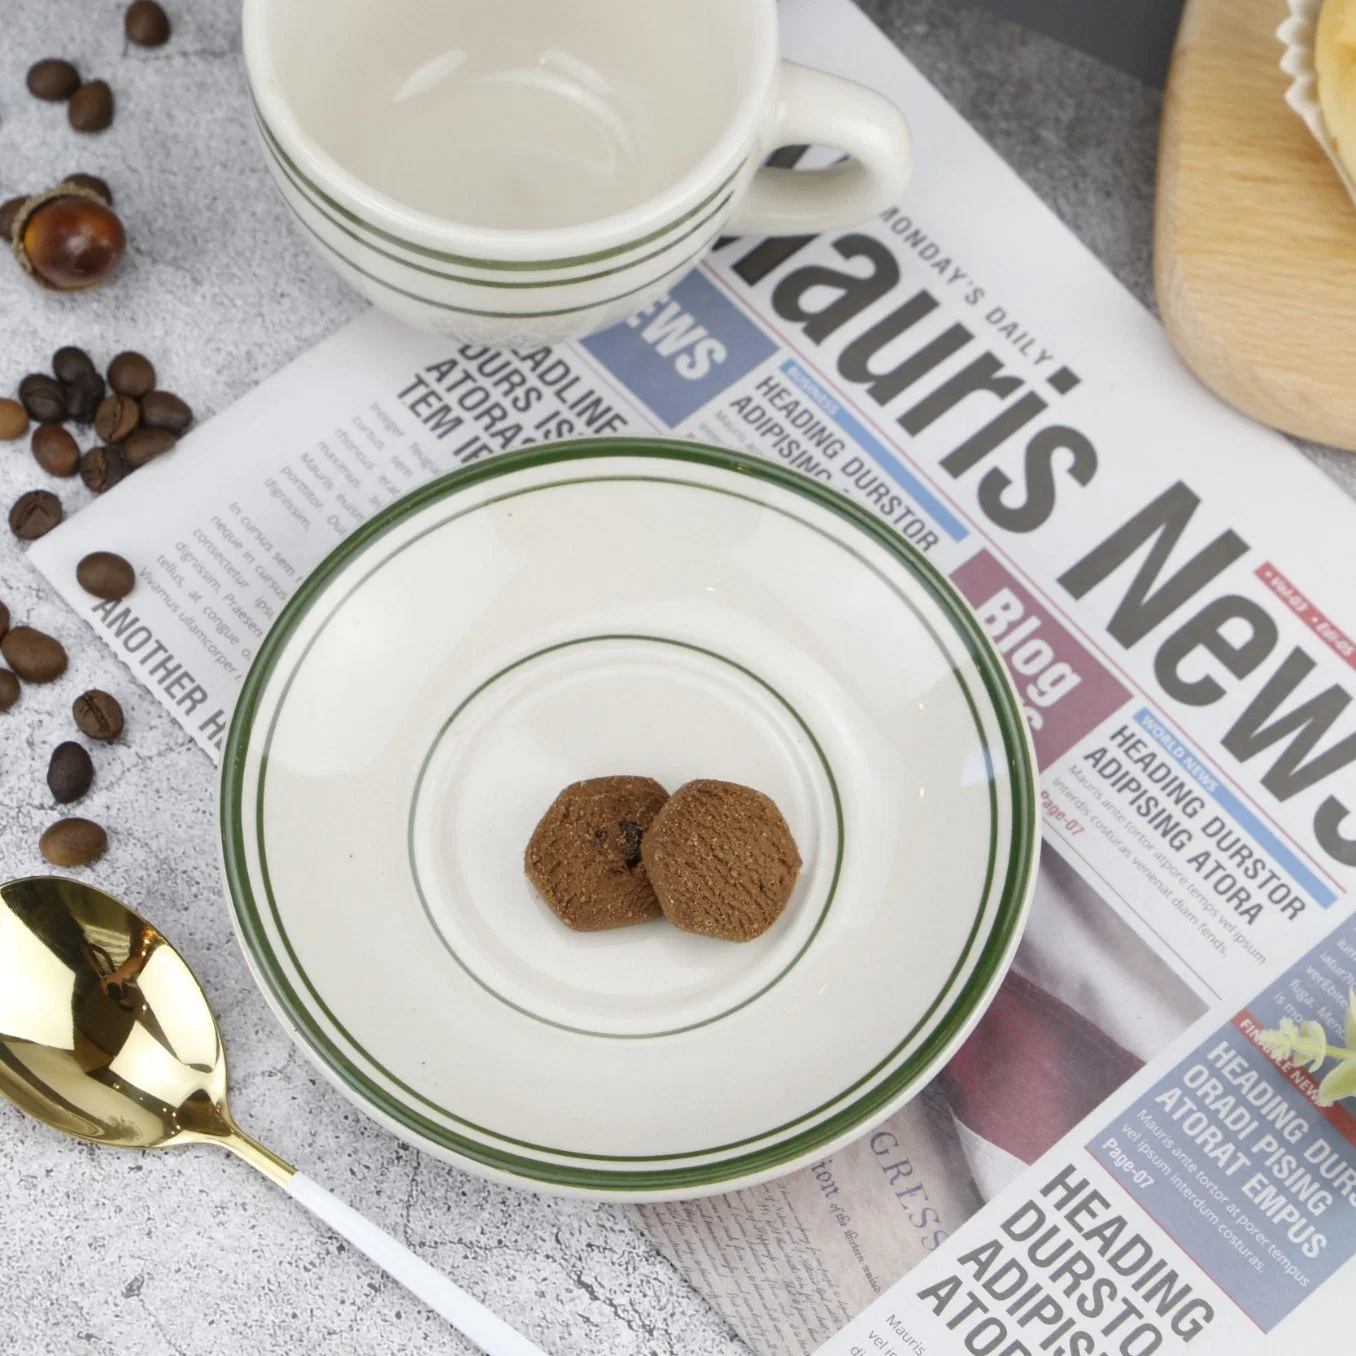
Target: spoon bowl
104,1031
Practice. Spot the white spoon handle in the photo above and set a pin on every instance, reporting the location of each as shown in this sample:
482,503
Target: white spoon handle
491,1334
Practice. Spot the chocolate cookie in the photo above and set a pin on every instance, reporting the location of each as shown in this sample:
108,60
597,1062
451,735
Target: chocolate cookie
584,856
721,860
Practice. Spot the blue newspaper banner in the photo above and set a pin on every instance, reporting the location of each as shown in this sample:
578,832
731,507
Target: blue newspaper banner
1234,1160
683,350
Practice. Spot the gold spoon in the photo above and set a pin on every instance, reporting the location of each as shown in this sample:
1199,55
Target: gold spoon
106,1034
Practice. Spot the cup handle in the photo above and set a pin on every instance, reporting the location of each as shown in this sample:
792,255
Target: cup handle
814,108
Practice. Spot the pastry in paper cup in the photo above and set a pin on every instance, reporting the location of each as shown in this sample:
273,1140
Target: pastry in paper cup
1320,58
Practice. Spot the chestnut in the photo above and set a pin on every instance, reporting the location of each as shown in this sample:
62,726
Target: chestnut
69,238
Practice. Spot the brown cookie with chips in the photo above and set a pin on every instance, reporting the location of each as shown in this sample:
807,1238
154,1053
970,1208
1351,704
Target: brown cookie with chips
721,860
584,856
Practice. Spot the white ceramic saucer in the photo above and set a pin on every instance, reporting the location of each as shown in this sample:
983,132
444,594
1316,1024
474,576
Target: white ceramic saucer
625,606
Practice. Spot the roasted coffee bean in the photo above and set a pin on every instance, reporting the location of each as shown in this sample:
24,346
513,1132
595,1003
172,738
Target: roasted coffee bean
116,417
92,181
146,24
9,214
98,715
55,451
84,395
105,575
13,420
43,398
4,620
70,773
34,514
145,444
53,79
73,842
91,107
130,374
160,409
33,655
69,362
102,467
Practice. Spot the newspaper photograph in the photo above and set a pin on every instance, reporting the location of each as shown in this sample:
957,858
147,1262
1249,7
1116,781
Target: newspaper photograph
1118,1160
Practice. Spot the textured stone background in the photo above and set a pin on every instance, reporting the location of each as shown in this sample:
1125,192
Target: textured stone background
104,1252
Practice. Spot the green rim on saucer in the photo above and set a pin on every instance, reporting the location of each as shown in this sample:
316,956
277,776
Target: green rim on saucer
872,1093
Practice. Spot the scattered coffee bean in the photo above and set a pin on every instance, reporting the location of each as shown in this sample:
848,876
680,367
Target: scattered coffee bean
146,24
98,715
9,689
73,842
55,451
4,620
102,467
116,417
13,420
53,79
34,514
71,362
145,444
160,409
9,214
91,107
106,575
33,655
84,396
70,773
130,374
92,181
43,398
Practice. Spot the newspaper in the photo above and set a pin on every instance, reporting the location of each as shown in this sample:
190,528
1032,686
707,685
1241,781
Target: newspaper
1110,1164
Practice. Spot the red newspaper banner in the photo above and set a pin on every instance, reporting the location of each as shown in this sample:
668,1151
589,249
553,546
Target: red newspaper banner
1332,636
1065,690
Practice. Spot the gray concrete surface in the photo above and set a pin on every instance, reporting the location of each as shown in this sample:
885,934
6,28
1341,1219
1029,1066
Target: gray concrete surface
190,1253
1133,35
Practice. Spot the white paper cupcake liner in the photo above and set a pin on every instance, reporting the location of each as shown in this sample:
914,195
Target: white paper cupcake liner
1297,33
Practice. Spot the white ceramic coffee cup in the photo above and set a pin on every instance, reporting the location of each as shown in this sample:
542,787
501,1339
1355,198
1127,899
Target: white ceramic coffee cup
517,171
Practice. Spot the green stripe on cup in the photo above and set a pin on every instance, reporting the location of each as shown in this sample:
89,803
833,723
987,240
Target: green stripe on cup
883,1085
326,245
472,261
331,218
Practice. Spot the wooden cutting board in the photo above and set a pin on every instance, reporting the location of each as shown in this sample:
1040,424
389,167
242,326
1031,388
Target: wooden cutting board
1255,248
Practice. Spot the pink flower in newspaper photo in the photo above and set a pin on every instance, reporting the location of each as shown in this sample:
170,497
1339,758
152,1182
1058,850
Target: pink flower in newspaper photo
1305,1044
